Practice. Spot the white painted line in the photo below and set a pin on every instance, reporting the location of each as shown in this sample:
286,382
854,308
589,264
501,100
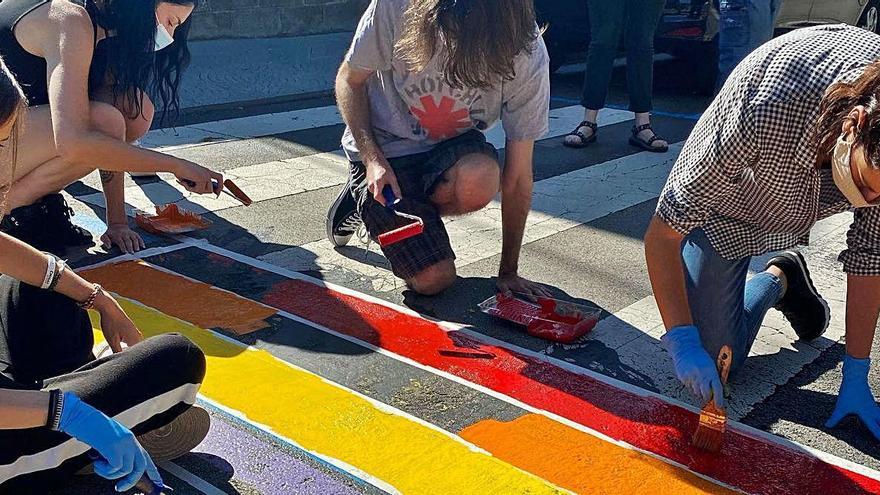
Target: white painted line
241,128
449,326
167,140
146,253
333,463
191,479
284,177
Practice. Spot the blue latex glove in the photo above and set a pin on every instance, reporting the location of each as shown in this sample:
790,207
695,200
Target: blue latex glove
122,457
693,365
855,396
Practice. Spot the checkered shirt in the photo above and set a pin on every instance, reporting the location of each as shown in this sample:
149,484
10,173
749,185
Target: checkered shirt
747,173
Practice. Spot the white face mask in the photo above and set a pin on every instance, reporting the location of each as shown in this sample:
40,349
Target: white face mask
842,173
163,39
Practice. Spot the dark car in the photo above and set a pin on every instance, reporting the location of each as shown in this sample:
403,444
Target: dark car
688,28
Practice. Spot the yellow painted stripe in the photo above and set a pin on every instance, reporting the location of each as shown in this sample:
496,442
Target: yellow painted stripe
327,419
581,462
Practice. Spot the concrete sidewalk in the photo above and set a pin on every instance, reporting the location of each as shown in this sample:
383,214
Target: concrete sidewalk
231,71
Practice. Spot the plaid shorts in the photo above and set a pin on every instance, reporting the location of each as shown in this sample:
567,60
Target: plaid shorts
417,176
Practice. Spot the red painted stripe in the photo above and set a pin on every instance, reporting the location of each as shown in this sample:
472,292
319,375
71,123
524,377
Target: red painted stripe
749,463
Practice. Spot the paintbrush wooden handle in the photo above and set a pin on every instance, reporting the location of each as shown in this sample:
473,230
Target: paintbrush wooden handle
725,359
237,193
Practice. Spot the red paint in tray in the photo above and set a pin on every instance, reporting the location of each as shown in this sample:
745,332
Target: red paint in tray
548,318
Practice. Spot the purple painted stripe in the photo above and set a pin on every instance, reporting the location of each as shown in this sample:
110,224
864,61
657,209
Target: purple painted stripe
266,468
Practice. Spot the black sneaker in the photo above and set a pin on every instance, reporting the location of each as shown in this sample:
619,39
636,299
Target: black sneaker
802,305
59,224
343,219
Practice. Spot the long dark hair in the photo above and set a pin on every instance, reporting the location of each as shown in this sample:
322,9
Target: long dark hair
481,38
131,62
12,106
838,102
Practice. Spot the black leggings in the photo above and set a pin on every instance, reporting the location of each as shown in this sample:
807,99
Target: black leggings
45,343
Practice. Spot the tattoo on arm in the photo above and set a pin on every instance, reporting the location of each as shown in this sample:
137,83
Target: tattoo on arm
107,176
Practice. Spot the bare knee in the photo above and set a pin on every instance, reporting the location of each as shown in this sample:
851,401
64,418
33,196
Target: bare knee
434,279
107,119
470,185
138,126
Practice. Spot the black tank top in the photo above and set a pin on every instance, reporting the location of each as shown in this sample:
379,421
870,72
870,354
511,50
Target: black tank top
30,70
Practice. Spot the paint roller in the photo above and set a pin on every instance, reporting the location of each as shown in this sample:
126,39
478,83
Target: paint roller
414,227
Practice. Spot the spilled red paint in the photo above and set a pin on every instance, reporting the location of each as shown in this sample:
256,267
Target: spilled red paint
745,462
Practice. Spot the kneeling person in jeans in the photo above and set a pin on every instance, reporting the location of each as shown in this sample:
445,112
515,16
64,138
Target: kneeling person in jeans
420,82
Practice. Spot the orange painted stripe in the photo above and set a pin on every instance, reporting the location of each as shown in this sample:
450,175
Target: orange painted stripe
580,462
195,302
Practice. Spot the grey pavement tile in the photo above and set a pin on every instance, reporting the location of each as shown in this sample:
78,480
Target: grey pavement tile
799,408
272,225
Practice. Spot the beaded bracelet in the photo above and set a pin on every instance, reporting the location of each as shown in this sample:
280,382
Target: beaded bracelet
90,302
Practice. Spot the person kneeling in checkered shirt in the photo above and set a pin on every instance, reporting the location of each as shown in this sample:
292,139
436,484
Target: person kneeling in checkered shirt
793,137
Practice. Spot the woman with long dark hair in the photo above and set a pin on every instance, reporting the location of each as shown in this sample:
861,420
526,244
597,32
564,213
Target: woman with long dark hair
793,137
61,409
87,68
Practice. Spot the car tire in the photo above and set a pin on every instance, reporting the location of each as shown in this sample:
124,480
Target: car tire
870,19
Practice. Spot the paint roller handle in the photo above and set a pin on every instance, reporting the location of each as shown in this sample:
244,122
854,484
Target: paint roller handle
390,199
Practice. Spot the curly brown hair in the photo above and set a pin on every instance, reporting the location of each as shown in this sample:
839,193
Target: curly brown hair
836,105
480,38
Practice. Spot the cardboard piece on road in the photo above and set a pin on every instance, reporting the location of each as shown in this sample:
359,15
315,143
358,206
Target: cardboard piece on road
171,219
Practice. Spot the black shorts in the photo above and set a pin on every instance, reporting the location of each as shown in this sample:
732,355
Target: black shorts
417,176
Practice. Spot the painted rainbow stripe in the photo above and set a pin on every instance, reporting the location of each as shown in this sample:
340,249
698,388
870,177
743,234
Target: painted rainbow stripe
408,455
645,422
583,462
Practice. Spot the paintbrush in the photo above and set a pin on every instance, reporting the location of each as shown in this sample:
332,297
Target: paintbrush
147,487
713,419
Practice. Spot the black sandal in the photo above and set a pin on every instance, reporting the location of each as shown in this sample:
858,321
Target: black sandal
584,140
647,144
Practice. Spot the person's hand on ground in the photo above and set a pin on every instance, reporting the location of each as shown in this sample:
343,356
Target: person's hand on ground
511,283
198,179
116,326
855,396
122,236
380,174
121,456
693,365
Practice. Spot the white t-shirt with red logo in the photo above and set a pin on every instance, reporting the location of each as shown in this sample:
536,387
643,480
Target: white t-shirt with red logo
412,112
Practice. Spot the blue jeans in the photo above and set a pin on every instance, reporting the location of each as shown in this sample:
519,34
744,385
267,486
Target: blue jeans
727,309
745,25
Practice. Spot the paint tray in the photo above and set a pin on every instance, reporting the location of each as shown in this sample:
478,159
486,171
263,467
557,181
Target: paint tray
171,219
549,319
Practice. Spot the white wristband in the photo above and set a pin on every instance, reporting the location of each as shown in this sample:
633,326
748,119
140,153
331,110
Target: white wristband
50,272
